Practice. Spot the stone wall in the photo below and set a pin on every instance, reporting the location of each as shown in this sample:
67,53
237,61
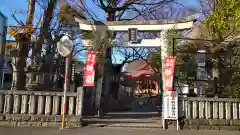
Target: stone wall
208,114
205,124
39,108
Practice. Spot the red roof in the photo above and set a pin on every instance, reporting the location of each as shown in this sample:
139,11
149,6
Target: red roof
137,68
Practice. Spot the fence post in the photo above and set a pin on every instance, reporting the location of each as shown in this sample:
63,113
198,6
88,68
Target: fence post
79,105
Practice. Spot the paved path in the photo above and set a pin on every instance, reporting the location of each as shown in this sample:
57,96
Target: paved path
106,131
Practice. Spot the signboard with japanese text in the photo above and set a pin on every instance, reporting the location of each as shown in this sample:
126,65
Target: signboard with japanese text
170,105
168,72
132,33
89,73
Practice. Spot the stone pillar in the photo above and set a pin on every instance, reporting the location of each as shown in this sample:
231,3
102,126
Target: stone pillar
235,110
56,105
215,110
24,105
17,104
41,105
48,105
208,110
221,110
32,104
195,109
164,45
79,105
71,104
188,109
228,110
201,110
8,104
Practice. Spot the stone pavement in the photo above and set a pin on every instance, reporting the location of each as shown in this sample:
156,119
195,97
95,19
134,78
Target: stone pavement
106,131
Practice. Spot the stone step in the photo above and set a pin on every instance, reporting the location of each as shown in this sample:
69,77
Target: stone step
123,120
128,125
131,123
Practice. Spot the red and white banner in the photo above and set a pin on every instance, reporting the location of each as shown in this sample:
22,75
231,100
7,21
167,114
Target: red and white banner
89,73
168,72
170,97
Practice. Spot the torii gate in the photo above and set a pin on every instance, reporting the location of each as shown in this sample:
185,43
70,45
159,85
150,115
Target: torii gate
142,26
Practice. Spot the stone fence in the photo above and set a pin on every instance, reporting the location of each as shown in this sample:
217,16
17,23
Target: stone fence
209,113
40,108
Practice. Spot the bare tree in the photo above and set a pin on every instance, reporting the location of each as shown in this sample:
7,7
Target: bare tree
23,37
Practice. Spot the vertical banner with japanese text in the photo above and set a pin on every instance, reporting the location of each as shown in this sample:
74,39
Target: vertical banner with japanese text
168,72
170,105
170,98
89,73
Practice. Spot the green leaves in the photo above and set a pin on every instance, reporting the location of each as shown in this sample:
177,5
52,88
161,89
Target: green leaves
224,23
99,41
67,13
224,19
156,59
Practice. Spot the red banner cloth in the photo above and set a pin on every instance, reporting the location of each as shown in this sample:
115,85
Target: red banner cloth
89,73
168,72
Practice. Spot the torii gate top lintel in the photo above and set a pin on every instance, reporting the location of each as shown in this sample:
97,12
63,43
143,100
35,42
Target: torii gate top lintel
145,25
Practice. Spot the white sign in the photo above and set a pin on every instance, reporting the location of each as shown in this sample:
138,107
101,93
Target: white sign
170,105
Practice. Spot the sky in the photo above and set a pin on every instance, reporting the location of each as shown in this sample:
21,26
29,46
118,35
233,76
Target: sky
8,6
20,6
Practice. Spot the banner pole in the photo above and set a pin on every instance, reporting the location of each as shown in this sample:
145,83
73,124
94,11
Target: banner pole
65,91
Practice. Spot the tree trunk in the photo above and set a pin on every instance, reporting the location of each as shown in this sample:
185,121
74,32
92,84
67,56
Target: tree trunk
99,87
107,68
19,77
44,28
23,41
30,15
19,62
48,13
99,90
